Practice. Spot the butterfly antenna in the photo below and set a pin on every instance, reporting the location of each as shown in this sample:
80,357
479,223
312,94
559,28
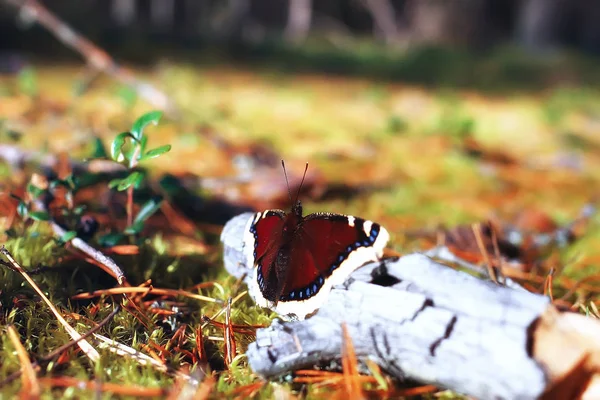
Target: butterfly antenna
286,181
300,187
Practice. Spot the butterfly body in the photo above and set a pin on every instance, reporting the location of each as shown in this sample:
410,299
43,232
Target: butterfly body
298,259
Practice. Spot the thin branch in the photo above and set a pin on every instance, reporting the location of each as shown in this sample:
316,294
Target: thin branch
95,57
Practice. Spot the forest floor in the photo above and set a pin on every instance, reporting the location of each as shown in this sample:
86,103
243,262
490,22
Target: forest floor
414,158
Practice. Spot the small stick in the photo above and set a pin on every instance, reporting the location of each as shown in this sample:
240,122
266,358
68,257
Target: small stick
84,345
96,57
97,255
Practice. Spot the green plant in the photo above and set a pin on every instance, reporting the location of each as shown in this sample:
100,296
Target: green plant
129,149
33,206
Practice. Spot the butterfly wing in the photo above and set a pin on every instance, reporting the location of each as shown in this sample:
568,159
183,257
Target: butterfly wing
262,242
324,252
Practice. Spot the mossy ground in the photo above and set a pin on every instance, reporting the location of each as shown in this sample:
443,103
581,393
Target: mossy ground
399,137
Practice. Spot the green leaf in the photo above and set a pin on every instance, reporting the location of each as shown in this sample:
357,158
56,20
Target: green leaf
110,239
34,190
114,183
134,179
134,229
98,151
152,117
148,209
22,209
143,144
73,182
117,145
157,152
67,237
40,216
129,154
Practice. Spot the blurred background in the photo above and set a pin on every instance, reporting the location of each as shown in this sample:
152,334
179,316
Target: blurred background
470,124
415,40
418,96
538,25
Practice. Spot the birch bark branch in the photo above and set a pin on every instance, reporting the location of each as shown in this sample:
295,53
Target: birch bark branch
421,320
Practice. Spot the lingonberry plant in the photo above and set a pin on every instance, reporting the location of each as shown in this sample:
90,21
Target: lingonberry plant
129,149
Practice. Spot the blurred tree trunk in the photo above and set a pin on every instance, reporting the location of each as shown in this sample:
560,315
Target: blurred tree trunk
537,23
230,24
123,12
161,14
384,16
197,17
445,22
299,20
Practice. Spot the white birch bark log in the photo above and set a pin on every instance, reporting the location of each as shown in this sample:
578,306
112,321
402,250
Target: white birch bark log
423,321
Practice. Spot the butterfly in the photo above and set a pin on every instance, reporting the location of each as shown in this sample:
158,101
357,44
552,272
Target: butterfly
297,259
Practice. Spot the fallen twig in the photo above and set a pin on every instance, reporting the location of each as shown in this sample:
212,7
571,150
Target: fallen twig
95,57
97,255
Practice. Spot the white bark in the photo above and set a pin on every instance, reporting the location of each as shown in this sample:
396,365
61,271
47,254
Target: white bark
421,320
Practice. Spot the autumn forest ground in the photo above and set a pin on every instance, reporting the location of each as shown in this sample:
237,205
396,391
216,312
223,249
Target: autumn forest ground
413,154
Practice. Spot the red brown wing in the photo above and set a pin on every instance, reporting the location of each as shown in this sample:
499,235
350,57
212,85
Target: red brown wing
267,232
323,244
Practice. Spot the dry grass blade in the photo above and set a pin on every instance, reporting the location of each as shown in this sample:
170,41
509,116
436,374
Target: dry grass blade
200,351
205,388
222,310
491,271
350,367
100,387
145,291
143,359
548,285
237,328
230,348
31,388
416,391
123,350
247,391
59,351
84,345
